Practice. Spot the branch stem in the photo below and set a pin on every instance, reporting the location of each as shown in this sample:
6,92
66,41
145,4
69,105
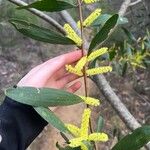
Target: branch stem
85,67
40,15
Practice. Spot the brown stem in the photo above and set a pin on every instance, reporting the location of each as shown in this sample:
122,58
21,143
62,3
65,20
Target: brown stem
82,46
85,67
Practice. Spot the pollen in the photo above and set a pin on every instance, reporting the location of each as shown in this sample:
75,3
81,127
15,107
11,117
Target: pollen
98,137
90,101
90,19
73,70
98,70
72,34
90,1
97,53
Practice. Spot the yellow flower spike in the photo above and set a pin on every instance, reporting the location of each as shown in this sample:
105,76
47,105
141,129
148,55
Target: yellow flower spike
90,101
98,137
90,19
73,129
97,53
73,70
85,123
81,63
76,142
90,1
83,147
98,70
72,34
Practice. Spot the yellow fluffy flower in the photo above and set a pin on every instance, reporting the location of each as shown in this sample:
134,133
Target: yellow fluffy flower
90,19
78,69
97,53
83,146
90,1
76,142
72,34
73,129
98,137
90,101
73,70
98,70
81,63
85,123
83,136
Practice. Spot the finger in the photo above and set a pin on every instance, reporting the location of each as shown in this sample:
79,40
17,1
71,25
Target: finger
52,66
66,79
73,88
62,72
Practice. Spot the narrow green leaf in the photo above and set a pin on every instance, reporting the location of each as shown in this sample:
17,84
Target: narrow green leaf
39,33
101,20
100,124
49,5
134,141
51,118
104,32
112,54
129,35
42,96
124,68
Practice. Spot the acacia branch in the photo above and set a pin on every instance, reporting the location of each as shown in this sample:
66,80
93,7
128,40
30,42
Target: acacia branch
101,81
41,15
104,86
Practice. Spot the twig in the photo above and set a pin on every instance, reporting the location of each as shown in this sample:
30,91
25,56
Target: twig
84,68
134,3
124,7
41,15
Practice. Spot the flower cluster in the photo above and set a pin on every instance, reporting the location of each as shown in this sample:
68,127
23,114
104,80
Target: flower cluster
86,23
90,101
72,34
82,134
90,19
78,69
90,1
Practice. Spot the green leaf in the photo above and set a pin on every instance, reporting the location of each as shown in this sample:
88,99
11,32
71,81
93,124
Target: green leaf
112,54
134,141
42,96
104,32
101,20
39,33
100,124
129,35
51,118
124,68
49,5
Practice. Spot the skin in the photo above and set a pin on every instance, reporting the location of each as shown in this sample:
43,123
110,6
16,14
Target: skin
53,74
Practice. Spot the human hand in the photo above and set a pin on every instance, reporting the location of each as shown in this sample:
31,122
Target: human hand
53,74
